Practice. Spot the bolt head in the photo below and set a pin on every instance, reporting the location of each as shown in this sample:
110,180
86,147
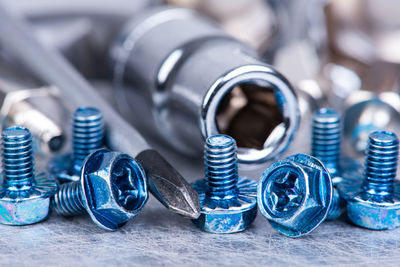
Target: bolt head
27,206
372,211
114,188
348,169
64,168
295,195
230,214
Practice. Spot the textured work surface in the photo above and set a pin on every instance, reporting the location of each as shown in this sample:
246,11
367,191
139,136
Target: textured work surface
158,237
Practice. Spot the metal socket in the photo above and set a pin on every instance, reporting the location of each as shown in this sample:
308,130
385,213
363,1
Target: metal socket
203,82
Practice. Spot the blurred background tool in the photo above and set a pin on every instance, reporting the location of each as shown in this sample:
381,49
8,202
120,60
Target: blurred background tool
16,108
203,82
94,30
54,69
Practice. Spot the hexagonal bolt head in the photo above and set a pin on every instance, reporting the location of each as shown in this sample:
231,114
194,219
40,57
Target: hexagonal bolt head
228,202
24,196
373,200
112,189
224,216
27,206
295,195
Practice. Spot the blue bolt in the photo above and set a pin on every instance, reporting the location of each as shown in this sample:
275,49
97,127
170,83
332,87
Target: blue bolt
325,145
87,136
24,195
374,202
296,195
228,201
112,190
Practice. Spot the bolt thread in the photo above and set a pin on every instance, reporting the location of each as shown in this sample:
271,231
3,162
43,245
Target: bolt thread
88,132
68,200
381,161
18,162
221,173
326,137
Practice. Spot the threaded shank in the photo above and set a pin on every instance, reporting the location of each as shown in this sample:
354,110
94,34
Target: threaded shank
221,165
381,161
326,135
68,200
18,164
88,132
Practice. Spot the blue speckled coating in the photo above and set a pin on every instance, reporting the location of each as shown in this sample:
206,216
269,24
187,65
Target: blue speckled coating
228,202
374,202
112,190
325,145
24,194
295,195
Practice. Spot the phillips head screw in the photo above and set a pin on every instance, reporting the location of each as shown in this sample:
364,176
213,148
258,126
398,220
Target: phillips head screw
24,194
373,201
87,136
228,202
112,190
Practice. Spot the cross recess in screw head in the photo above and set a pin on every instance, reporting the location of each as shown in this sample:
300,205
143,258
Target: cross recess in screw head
286,194
127,191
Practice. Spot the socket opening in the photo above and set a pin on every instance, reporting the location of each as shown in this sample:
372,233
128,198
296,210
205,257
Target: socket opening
249,113
255,105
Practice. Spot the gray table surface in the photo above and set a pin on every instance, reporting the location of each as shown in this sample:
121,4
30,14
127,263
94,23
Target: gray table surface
158,237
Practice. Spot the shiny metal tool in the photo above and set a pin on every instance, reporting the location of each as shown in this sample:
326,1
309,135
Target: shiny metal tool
164,181
366,112
203,82
16,109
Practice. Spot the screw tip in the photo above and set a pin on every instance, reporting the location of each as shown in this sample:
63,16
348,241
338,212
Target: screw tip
16,132
220,141
383,137
87,113
326,115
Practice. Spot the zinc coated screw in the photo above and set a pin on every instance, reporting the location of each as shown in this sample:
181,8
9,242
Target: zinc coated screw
228,202
24,195
87,136
325,145
296,195
374,202
112,190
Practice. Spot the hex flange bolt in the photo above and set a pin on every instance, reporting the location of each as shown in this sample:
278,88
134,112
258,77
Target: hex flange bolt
112,190
87,136
325,146
228,202
373,201
24,194
296,195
